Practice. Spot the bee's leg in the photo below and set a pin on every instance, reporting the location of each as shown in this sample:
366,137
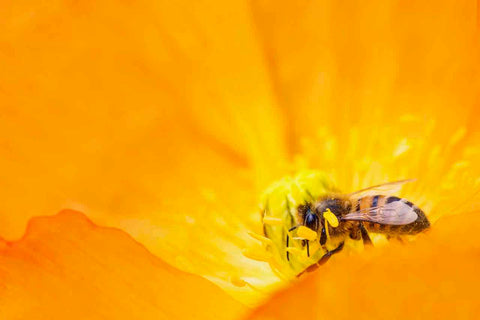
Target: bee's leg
396,238
327,255
355,234
366,238
308,248
323,237
323,259
288,238
286,247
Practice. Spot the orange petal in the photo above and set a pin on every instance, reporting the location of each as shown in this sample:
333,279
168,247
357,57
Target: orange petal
145,115
435,277
350,63
65,267
151,98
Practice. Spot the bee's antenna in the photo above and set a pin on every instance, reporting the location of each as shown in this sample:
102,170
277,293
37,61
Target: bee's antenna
310,195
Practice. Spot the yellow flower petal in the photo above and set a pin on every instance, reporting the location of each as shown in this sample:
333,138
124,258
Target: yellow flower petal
65,267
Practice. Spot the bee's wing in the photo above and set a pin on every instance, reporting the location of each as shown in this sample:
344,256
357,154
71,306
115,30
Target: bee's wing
394,213
388,188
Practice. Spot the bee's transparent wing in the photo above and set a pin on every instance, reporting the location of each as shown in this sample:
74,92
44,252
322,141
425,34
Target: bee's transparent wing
394,213
388,188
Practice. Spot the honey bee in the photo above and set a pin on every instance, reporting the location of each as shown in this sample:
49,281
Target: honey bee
358,213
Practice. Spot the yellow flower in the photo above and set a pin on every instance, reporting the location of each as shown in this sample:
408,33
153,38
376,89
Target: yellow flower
168,120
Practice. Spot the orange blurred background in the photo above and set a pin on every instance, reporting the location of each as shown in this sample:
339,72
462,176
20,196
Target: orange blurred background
167,120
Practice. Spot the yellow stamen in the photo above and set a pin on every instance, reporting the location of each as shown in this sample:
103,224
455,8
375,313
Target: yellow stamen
260,238
457,136
277,270
272,221
402,147
306,233
238,282
257,254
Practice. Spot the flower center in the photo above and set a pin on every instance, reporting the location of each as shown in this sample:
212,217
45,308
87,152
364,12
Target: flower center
288,245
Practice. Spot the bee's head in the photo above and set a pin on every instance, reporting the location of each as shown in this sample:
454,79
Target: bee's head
310,218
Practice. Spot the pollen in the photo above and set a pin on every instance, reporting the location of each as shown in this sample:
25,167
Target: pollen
306,233
331,218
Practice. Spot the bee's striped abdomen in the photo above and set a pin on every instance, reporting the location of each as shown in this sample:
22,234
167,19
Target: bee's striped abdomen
420,224
390,215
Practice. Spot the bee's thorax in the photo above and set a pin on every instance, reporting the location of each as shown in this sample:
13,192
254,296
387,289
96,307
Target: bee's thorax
338,206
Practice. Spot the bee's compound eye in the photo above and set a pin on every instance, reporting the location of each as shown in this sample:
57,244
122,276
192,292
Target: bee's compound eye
311,221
